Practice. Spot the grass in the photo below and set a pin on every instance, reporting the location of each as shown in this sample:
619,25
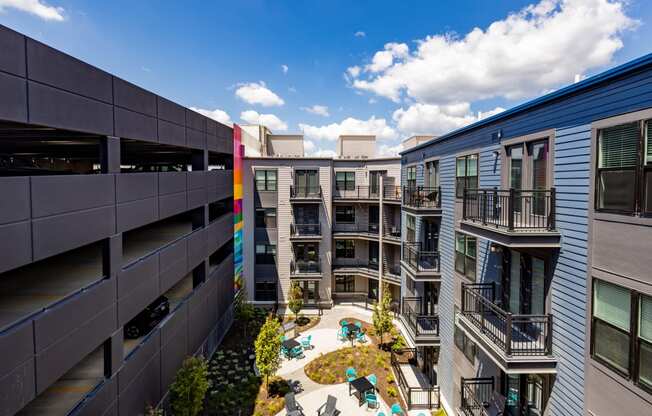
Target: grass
367,359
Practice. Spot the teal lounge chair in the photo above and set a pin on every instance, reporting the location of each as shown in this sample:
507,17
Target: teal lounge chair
342,334
371,399
305,342
372,379
351,374
361,338
297,352
358,324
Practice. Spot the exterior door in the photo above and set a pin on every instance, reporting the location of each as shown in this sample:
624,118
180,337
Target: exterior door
373,254
516,174
306,181
374,181
430,298
431,235
523,283
373,289
373,218
538,175
524,394
310,292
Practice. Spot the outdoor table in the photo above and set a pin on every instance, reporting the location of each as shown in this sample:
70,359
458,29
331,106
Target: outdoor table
352,332
290,344
361,386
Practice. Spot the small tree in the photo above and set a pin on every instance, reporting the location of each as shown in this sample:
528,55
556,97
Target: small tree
268,347
382,318
189,387
244,310
295,302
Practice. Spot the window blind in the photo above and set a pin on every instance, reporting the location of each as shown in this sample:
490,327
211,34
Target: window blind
645,319
611,304
648,142
619,146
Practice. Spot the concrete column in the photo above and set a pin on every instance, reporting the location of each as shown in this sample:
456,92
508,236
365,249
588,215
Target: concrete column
113,353
110,154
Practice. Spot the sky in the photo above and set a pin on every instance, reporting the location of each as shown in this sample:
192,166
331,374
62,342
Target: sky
322,69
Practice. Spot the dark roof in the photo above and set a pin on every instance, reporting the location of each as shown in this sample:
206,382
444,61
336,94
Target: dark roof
605,76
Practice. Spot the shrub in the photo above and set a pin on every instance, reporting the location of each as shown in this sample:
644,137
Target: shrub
391,390
189,387
399,343
390,378
268,345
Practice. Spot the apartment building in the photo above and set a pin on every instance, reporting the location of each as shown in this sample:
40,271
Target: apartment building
115,206
526,253
331,224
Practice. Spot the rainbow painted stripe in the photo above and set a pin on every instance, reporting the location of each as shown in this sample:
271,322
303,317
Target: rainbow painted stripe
238,155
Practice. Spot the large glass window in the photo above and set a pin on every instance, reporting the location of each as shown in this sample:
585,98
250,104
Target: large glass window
265,291
464,344
345,249
410,225
432,174
411,173
265,253
265,180
645,342
465,253
266,217
466,174
611,325
345,181
344,214
618,165
345,284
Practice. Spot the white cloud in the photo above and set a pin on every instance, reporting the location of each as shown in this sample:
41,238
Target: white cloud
217,115
385,58
536,49
387,150
372,126
320,110
359,34
269,120
284,68
308,146
323,153
352,72
35,7
258,93
433,119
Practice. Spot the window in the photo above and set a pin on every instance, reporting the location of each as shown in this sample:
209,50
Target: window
344,249
615,336
345,181
410,225
464,344
621,172
266,217
432,174
306,181
265,291
411,176
466,174
265,253
265,180
345,284
374,180
345,214
465,249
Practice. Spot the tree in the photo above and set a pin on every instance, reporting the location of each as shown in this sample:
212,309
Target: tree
296,299
268,348
244,310
382,317
189,387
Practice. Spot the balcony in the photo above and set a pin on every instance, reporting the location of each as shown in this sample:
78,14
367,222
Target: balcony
516,342
422,328
422,200
305,232
392,194
418,392
305,270
511,217
421,265
392,233
479,399
363,268
305,193
347,231
358,193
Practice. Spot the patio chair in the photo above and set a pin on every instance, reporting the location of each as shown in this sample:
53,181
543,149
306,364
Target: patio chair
344,323
351,374
291,406
396,409
361,338
358,324
305,342
297,352
371,399
372,379
341,334
328,408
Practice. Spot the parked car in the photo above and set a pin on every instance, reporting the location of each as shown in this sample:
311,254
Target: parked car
148,318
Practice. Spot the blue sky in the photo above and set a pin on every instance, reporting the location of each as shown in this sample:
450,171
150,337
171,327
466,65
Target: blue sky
389,68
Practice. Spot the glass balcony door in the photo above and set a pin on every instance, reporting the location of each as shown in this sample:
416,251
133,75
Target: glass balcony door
523,283
524,395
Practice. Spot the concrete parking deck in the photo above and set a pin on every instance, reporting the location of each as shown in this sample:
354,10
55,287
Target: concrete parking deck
142,241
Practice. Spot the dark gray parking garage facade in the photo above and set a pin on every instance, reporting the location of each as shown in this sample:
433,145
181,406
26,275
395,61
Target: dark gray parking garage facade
110,197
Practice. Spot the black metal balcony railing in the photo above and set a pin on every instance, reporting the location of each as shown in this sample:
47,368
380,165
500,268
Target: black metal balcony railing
476,396
511,209
392,231
354,228
422,197
305,230
421,324
357,192
515,335
305,267
416,396
394,269
392,193
305,191
418,259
